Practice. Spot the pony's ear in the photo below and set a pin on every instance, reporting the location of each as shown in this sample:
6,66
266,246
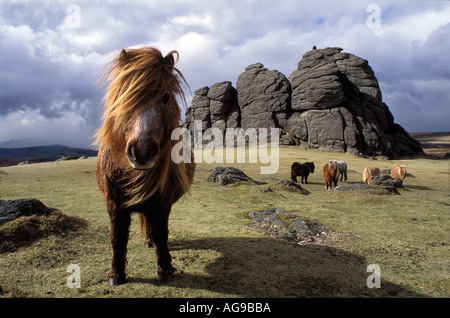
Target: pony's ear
123,57
166,98
170,60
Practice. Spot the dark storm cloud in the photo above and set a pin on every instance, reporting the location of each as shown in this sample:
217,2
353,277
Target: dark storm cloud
51,52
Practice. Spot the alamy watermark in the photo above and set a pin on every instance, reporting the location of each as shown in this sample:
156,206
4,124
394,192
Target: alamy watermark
52,9
74,279
260,149
374,279
73,16
374,19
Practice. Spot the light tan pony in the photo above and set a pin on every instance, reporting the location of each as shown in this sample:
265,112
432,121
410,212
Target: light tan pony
369,173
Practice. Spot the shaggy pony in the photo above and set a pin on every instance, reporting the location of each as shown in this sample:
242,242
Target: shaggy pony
301,170
330,173
369,173
135,172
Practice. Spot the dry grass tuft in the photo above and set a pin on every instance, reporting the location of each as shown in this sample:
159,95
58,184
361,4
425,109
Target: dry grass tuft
27,229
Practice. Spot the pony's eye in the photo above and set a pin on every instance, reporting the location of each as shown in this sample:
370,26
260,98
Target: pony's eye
166,98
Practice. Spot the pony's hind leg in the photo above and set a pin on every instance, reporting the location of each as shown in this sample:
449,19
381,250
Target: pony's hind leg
147,229
120,223
294,177
149,240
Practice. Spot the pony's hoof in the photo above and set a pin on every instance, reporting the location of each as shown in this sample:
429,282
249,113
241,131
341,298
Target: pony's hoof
114,282
117,280
165,278
148,245
166,275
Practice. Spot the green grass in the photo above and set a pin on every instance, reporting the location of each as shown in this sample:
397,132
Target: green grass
217,254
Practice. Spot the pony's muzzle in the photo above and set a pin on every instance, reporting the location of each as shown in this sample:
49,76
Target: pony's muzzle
143,158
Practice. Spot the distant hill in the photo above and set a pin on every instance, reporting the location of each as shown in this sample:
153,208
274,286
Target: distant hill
44,153
23,142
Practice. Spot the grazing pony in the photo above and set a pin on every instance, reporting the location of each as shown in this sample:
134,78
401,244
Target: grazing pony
398,172
135,172
342,168
330,174
301,170
369,173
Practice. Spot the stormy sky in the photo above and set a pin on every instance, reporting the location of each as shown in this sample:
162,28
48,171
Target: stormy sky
52,53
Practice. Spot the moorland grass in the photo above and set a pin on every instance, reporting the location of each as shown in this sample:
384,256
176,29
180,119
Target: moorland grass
217,254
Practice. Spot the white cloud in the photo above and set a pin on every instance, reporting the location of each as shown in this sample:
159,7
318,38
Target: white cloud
205,21
413,28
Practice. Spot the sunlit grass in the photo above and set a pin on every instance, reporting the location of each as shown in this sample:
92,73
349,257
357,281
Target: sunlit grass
217,254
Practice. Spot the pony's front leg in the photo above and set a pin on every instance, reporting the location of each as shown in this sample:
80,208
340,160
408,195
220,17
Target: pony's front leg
335,181
120,224
159,222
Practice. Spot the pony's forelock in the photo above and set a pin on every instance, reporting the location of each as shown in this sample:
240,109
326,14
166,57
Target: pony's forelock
138,79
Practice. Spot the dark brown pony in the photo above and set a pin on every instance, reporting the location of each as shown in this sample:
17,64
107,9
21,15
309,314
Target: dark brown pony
135,172
301,170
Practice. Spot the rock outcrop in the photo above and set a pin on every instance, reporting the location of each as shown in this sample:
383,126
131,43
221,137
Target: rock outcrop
385,189
215,106
13,209
261,93
230,175
291,227
332,101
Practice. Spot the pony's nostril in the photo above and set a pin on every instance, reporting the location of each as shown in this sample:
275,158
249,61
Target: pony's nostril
142,157
130,153
153,151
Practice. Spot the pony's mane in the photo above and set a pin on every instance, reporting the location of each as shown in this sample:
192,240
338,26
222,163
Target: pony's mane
139,79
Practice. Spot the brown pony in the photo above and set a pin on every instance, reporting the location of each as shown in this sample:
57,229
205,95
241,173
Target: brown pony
330,173
135,172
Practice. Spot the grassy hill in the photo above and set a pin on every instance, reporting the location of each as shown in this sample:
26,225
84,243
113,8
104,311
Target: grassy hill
434,143
217,253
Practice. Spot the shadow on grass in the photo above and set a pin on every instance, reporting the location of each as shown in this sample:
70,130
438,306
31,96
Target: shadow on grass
266,267
252,267
417,187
